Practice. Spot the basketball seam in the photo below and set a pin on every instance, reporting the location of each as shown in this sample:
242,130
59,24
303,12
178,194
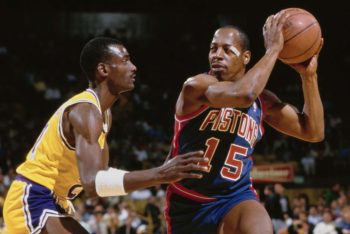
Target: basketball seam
302,13
305,50
300,32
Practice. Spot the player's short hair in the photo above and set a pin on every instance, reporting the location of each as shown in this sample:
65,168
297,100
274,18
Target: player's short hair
244,39
95,51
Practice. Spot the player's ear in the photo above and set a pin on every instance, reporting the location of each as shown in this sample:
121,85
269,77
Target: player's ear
102,70
246,57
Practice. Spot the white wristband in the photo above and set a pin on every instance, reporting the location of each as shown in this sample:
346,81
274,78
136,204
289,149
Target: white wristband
110,182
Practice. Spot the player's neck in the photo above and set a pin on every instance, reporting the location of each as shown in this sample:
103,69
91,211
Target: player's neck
238,75
105,97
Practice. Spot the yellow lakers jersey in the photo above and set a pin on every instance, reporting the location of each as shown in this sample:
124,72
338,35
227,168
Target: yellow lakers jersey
52,160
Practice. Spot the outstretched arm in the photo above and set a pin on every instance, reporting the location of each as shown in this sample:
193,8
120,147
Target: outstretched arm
307,125
175,169
93,161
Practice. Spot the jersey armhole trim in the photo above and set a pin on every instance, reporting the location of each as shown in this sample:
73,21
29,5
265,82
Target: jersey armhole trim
186,117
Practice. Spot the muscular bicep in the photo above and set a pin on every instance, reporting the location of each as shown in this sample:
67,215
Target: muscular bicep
283,116
87,126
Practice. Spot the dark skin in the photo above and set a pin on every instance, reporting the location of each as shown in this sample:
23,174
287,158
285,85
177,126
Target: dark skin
232,86
82,126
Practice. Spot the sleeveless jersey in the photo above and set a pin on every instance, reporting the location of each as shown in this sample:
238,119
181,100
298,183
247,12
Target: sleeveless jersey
52,160
227,136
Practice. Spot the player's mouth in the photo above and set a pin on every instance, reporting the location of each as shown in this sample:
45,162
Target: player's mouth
133,76
216,67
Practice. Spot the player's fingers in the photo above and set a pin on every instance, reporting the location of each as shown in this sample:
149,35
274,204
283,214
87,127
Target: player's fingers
314,58
195,160
198,153
313,61
276,18
191,175
320,47
193,167
282,19
268,22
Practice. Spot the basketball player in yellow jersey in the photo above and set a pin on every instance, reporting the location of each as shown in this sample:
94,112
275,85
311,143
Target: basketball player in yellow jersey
72,154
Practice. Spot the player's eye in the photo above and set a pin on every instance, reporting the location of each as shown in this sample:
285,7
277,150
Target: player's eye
228,50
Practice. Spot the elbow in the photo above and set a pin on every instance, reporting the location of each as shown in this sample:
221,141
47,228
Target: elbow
317,137
246,99
250,98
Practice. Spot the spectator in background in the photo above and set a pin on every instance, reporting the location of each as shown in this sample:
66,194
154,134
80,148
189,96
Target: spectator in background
343,222
127,228
97,223
284,200
326,226
332,194
152,210
309,162
301,225
304,201
314,217
281,148
273,207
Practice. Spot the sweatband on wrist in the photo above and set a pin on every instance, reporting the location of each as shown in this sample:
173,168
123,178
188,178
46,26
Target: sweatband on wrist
110,182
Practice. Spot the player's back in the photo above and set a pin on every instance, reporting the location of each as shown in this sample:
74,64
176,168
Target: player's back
52,160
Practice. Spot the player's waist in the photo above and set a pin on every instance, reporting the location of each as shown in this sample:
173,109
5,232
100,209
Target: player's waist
62,202
203,197
55,180
29,181
189,193
206,191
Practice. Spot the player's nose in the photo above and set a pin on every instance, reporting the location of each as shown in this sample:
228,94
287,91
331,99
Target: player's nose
133,67
219,53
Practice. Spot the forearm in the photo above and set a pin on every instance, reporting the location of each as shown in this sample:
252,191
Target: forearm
244,91
140,179
115,182
313,109
256,78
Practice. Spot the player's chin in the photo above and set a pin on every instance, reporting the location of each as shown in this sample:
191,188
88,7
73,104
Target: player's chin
131,87
220,74
127,88
217,73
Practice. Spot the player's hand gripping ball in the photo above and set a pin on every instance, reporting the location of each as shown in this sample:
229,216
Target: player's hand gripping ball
302,36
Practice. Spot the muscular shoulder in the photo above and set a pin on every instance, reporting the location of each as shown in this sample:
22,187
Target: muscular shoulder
192,93
200,79
196,85
86,121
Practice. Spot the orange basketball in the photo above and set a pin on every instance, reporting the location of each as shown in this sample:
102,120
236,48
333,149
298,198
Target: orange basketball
302,36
